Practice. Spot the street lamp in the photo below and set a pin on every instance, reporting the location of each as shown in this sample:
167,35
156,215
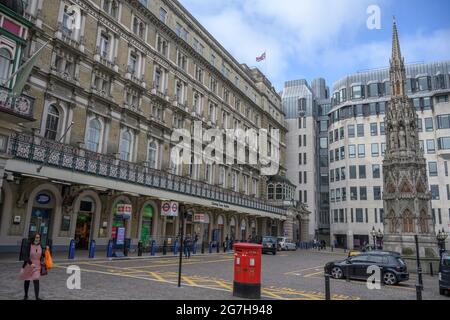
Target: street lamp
380,236
441,237
373,233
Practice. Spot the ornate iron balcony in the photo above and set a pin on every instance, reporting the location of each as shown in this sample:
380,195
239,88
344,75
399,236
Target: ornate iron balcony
53,154
21,106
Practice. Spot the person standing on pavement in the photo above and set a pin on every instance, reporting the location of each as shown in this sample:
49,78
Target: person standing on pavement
187,247
31,268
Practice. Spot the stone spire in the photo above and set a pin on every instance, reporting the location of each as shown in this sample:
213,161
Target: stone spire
407,201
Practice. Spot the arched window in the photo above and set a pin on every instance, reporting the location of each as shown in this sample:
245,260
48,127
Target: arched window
135,25
5,64
152,154
279,192
52,123
93,137
423,223
125,146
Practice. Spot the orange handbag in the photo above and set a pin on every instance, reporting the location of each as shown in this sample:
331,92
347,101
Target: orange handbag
48,259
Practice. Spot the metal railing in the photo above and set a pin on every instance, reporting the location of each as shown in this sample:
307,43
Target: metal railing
21,105
50,153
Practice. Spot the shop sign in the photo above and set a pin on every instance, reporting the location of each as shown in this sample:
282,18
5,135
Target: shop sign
169,209
43,198
120,236
124,210
199,218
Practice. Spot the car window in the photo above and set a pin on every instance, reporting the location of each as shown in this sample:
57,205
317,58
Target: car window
280,239
446,260
376,259
359,258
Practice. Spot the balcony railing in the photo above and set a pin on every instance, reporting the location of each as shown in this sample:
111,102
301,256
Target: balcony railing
50,153
21,106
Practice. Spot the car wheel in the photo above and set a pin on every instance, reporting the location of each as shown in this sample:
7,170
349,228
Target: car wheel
337,273
389,278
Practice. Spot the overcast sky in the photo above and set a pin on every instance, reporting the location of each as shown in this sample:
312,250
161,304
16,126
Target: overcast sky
324,38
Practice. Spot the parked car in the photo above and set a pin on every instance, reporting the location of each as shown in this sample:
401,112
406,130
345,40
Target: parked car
286,244
269,244
394,269
444,273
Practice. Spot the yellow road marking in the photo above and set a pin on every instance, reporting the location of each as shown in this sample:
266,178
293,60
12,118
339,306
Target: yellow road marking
312,274
176,263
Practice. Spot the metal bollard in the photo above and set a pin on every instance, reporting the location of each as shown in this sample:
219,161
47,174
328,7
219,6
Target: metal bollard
431,269
153,248
327,287
164,250
139,248
109,249
203,247
210,247
194,248
72,249
92,249
175,247
218,247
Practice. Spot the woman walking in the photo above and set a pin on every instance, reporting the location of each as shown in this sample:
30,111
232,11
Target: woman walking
31,268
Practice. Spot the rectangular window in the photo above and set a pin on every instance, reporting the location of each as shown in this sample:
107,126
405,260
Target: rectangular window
382,107
342,153
351,130
434,192
305,175
444,143
336,154
304,158
419,125
442,99
432,168
424,83
382,129
376,171
341,133
357,92
375,150
361,150
381,215
331,156
352,172
299,140
375,211
352,151
331,175
373,109
336,135
373,90
374,129
353,193
162,15
335,216
300,177
429,124
360,130
443,121
376,193
344,194
359,215
363,193
383,149
362,172
431,146
351,214
343,173
300,159
448,191
446,168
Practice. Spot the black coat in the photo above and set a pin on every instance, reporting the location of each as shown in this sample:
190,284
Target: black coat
26,251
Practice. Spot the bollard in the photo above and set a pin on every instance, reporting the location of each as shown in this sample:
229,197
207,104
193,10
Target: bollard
164,250
194,248
218,247
72,249
210,247
153,248
109,249
431,269
175,247
327,287
92,249
139,248
203,247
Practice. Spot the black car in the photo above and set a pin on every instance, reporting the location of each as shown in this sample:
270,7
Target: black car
394,269
269,244
444,273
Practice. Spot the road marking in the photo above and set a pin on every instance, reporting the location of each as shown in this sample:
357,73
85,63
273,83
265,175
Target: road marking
297,271
312,274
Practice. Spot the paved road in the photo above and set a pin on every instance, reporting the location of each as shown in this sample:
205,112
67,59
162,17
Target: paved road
288,275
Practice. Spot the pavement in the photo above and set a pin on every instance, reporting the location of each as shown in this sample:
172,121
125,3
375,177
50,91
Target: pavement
295,275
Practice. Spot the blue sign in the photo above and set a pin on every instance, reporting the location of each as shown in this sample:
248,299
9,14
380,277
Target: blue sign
120,236
43,198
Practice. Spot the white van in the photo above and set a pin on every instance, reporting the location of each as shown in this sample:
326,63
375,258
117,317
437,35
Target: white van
285,243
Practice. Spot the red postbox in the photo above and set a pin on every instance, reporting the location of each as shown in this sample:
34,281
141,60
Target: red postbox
247,270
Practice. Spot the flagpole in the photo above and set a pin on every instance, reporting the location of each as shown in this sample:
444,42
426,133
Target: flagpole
24,65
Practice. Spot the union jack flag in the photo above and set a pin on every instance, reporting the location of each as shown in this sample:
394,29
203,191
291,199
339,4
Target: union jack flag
261,58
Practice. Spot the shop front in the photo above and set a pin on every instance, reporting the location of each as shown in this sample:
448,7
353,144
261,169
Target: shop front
147,224
232,235
42,215
83,229
243,230
121,217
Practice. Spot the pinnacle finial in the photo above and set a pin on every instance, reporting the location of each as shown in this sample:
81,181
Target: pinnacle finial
396,53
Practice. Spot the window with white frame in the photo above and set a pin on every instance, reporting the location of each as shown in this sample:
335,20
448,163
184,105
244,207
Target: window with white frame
198,74
152,154
255,187
197,103
179,91
245,184
222,177
181,60
235,181
111,7
133,63
162,15
52,123
6,62
126,141
138,27
159,79
104,45
93,135
162,45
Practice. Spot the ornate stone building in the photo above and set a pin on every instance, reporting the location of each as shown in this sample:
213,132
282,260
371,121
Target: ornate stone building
114,81
407,201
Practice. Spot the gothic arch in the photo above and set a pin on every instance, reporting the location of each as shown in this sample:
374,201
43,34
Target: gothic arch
407,221
423,222
391,220
405,186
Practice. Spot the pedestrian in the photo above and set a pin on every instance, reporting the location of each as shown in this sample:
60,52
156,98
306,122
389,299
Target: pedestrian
33,265
187,247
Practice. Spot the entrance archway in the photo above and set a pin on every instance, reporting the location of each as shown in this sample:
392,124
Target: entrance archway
243,230
232,235
42,215
84,223
146,225
220,228
119,219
